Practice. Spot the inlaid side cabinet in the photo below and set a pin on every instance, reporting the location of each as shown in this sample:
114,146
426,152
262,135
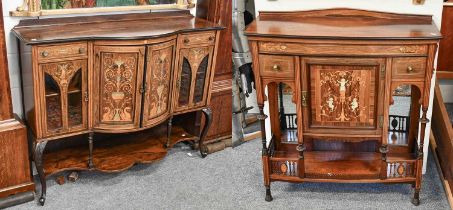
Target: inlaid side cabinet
87,77
357,81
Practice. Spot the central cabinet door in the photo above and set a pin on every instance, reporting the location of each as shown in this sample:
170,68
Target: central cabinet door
159,70
193,78
342,93
119,74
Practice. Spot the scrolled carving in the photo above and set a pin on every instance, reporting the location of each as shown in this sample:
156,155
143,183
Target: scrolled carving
119,73
160,81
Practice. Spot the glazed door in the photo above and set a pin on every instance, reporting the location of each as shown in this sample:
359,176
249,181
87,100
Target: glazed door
342,93
193,78
118,82
159,74
64,105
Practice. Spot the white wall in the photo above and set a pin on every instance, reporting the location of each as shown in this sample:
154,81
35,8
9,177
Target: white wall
431,7
13,56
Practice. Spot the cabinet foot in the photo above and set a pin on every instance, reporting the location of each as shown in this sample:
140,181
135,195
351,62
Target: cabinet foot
42,200
416,198
268,194
38,157
208,115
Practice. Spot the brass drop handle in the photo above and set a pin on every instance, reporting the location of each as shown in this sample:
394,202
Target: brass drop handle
410,69
82,50
186,41
276,67
45,54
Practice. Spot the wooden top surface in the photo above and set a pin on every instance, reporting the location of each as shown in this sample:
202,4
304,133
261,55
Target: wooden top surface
107,27
343,24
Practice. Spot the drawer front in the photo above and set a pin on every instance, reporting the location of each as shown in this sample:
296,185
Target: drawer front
204,38
62,51
276,66
409,68
331,49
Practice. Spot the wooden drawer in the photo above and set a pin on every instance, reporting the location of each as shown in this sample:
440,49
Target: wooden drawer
409,68
332,49
203,38
276,66
47,52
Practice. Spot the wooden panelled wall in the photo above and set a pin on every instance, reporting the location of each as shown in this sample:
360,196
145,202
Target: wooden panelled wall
220,11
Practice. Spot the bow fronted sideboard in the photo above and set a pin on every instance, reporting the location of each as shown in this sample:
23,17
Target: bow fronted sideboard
115,74
358,83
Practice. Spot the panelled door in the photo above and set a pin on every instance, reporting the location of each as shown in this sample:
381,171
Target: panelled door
64,105
342,93
158,85
193,77
118,78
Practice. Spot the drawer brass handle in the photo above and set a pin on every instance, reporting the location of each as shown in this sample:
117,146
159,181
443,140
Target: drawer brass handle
45,54
408,50
82,50
186,41
410,69
211,38
276,67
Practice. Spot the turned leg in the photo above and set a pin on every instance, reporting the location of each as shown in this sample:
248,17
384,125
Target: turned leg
268,194
38,156
169,126
90,143
208,115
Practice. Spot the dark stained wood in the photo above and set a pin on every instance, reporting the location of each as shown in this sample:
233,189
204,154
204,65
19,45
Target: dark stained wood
15,165
343,66
343,24
444,61
15,174
6,107
125,27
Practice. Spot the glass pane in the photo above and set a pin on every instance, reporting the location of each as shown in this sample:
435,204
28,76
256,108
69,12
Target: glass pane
200,80
53,104
287,113
68,4
402,112
186,79
75,100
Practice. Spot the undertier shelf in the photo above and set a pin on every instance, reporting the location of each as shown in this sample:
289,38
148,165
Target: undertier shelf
340,165
115,154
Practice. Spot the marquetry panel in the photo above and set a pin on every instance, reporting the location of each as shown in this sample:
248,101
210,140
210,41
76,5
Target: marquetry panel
64,91
400,169
120,78
285,168
343,95
193,77
158,82
332,49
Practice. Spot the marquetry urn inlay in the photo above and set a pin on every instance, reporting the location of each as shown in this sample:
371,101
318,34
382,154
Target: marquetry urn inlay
119,72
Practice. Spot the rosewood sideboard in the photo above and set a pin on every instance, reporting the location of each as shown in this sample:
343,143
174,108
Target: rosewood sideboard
344,70
115,74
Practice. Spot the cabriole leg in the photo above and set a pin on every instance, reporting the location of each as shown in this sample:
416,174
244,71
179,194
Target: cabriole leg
38,157
169,126
90,143
208,116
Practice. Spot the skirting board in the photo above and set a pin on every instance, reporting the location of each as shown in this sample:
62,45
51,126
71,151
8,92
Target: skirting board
17,199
